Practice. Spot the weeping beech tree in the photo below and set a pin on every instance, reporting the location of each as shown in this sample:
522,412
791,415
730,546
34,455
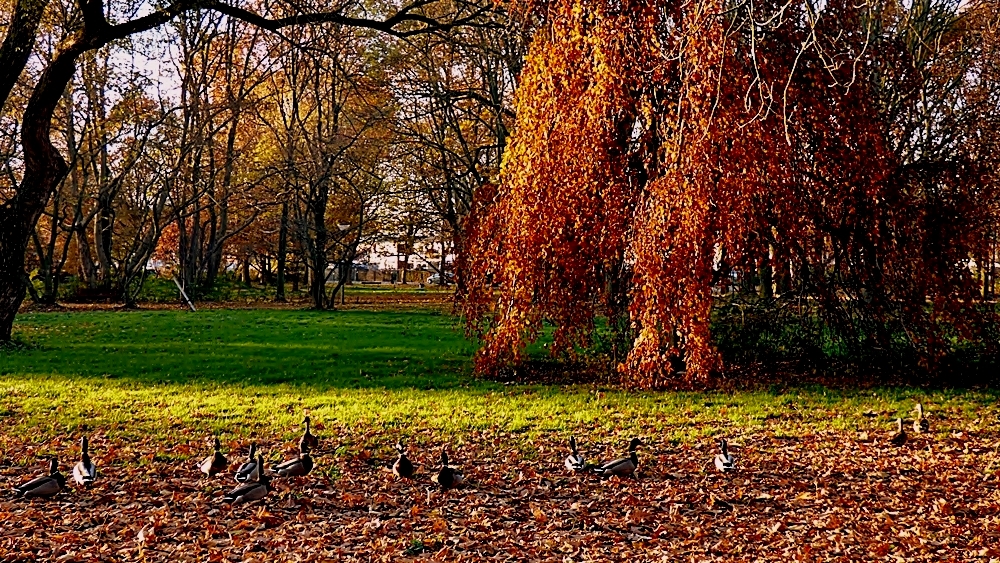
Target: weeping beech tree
662,145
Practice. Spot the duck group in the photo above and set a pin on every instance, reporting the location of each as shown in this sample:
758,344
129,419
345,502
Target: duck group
254,478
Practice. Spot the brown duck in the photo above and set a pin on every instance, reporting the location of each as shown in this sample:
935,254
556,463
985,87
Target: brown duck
215,463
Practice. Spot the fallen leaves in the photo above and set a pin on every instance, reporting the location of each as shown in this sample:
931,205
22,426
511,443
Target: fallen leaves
824,496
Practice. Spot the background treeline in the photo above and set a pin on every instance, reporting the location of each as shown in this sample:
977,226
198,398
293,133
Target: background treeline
213,148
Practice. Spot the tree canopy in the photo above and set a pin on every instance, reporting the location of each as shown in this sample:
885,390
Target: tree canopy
665,149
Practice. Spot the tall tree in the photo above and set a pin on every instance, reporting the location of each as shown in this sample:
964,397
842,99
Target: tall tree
656,141
44,165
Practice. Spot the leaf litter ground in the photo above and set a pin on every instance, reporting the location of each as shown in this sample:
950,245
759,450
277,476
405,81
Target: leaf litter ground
825,496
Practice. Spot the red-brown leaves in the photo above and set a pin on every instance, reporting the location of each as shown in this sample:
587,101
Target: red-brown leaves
654,143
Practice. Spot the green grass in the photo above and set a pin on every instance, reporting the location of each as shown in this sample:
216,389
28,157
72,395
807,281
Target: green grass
244,372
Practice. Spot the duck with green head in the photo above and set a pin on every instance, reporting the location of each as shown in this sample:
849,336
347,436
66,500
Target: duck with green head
297,466
622,467
250,491
249,470
44,486
724,461
575,461
403,467
85,472
447,477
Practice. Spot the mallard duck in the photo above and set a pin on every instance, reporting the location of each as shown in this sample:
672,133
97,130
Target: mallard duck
575,461
250,491
622,467
249,470
45,485
84,472
297,466
920,424
215,463
448,476
308,440
899,438
724,461
403,466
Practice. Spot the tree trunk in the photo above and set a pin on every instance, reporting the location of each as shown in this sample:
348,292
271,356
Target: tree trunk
279,294
246,271
44,168
766,276
13,245
319,258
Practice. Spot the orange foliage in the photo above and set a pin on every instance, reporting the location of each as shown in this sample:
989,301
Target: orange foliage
658,142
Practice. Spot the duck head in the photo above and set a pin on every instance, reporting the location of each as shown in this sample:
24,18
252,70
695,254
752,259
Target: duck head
263,477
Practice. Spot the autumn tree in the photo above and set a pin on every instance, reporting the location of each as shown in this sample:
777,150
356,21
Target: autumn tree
328,115
40,165
660,144
455,93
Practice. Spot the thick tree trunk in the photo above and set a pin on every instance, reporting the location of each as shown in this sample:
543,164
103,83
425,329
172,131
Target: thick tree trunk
246,271
13,245
318,256
44,168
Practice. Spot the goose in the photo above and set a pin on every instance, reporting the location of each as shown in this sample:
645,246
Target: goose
403,466
297,466
310,441
215,463
622,467
84,472
448,476
575,461
250,491
920,424
724,461
249,470
45,485
899,438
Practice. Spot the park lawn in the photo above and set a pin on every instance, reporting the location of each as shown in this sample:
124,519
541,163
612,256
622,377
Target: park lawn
247,371
149,387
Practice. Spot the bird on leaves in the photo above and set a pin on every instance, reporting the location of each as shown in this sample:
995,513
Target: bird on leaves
403,467
447,477
308,439
249,470
622,467
84,472
215,463
250,491
724,461
297,466
899,438
575,461
45,485
920,424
